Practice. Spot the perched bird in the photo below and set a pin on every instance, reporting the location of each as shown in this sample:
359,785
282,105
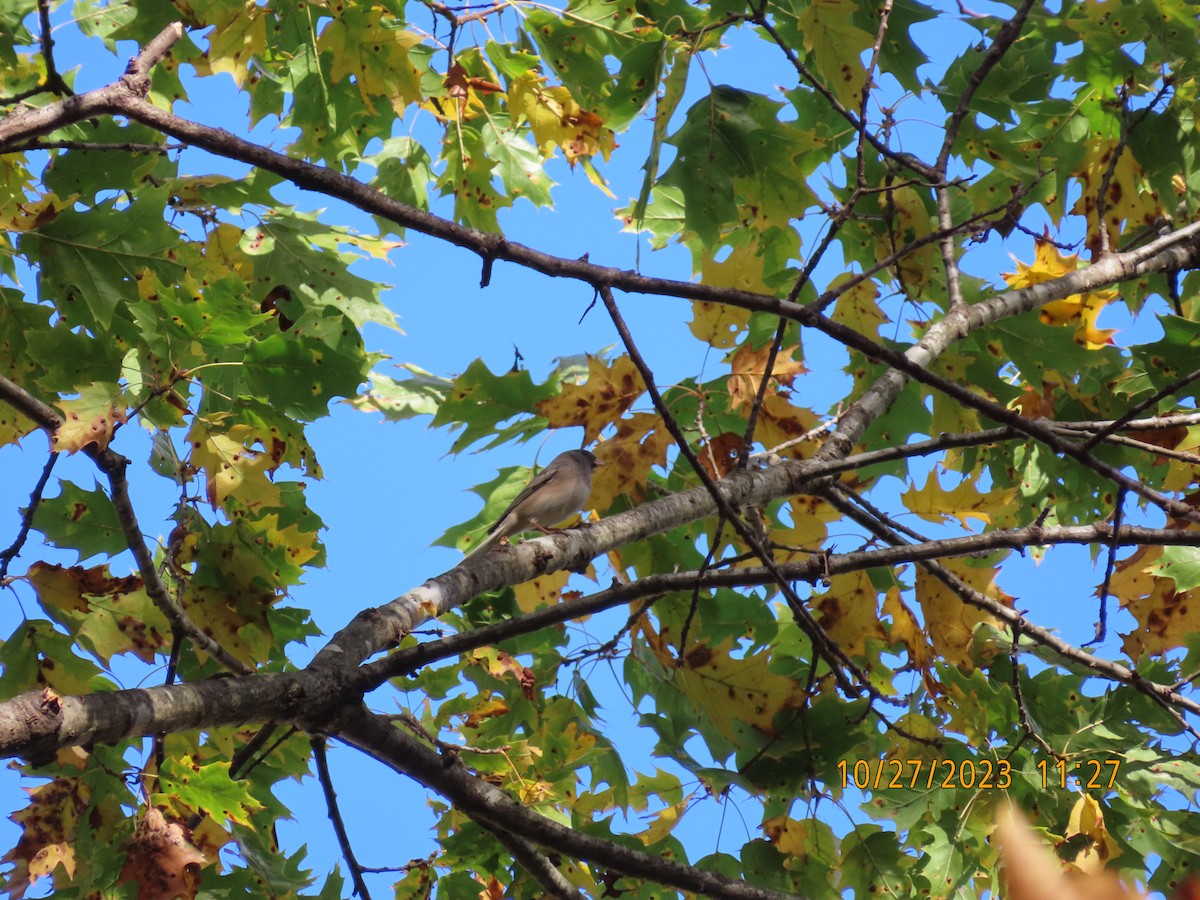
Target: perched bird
561,489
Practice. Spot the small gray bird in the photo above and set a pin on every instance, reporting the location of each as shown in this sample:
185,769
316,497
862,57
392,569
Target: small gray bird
561,489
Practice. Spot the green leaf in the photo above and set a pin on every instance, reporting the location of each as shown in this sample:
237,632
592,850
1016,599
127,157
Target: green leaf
732,150
481,401
518,162
1167,359
85,521
302,370
420,395
208,788
1181,565
403,171
37,653
92,260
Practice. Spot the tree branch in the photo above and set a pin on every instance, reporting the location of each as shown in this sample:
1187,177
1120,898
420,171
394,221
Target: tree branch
113,464
376,736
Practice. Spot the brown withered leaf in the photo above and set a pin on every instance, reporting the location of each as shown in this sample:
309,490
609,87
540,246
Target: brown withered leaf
160,860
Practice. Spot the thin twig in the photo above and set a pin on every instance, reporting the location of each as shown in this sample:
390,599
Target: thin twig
54,81
1130,414
1022,713
761,394
1110,564
652,587
35,498
904,159
335,816
1003,42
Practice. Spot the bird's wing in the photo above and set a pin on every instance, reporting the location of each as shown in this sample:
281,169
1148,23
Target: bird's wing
543,479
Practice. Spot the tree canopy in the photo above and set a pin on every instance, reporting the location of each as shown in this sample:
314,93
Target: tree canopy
804,549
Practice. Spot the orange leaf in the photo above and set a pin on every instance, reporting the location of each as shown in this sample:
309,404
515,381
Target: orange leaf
719,454
748,368
606,395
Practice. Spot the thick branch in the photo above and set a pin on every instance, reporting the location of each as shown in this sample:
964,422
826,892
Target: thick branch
36,724
405,754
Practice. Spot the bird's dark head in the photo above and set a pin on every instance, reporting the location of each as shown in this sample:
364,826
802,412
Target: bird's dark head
587,456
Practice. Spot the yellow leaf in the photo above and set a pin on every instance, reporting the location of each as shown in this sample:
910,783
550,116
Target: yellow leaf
906,630
27,215
68,589
849,611
935,504
779,422
640,444
112,615
790,837
483,710
223,247
949,415
748,367
1165,616
14,425
234,42
543,590
50,857
807,532
718,324
1130,199
858,308
835,43
232,468
1087,818
239,624
663,822
92,419
14,183
908,220
369,46
950,622
1080,310
1032,870
534,792
742,269
48,829
557,119
498,662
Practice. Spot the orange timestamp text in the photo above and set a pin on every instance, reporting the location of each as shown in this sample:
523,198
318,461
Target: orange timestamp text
971,774
1092,774
891,774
